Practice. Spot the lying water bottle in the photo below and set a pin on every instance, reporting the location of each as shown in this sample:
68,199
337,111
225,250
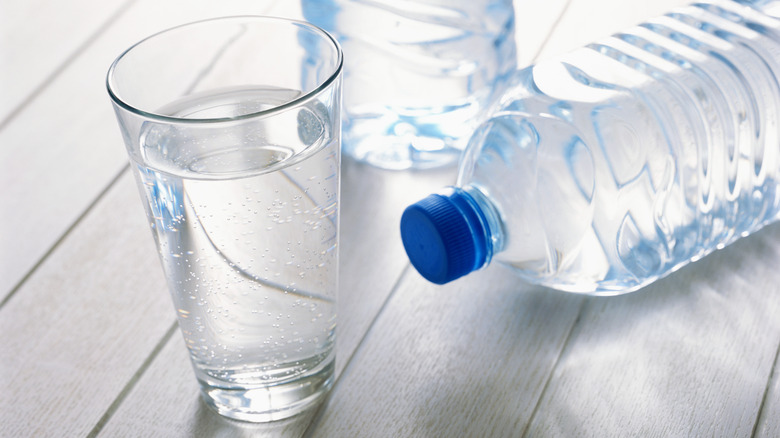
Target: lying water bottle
612,166
418,74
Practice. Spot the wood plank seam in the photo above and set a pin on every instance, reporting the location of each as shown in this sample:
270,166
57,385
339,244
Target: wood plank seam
569,335
767,389
552,30
321,409
64,235
64,65
112,408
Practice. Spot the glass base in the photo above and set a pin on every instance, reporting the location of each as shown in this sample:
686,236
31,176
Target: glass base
273,402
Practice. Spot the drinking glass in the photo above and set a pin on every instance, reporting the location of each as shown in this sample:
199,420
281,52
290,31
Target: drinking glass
232,128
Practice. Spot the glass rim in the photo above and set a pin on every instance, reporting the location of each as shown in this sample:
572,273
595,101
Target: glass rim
123,103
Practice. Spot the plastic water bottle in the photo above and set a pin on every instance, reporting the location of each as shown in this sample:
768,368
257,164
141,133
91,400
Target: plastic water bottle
419,74
607,168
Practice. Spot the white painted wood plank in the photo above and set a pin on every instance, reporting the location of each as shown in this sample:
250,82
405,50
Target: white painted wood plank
38,36
83,324
58,154
688,356
286,9
466,359
373,257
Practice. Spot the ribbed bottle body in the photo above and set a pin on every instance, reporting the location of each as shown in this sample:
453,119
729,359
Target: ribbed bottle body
620,162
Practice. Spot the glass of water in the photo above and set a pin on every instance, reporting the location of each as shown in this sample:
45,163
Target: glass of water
232,127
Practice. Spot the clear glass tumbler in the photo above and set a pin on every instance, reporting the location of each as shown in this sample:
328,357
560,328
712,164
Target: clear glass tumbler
232,127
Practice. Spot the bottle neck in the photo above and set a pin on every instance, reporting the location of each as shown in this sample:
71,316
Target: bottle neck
488,215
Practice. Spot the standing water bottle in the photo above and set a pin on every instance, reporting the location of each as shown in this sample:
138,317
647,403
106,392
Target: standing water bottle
418,74
616,164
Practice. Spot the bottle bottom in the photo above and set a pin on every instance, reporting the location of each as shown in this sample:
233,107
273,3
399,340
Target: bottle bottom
409,138
394,153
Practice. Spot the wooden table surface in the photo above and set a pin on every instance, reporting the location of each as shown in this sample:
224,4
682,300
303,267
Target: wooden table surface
89,344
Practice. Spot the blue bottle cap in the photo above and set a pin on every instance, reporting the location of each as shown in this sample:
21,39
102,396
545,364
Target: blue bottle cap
445,237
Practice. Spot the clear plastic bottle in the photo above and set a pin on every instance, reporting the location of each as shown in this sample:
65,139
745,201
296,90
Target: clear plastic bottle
419,75
607,168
